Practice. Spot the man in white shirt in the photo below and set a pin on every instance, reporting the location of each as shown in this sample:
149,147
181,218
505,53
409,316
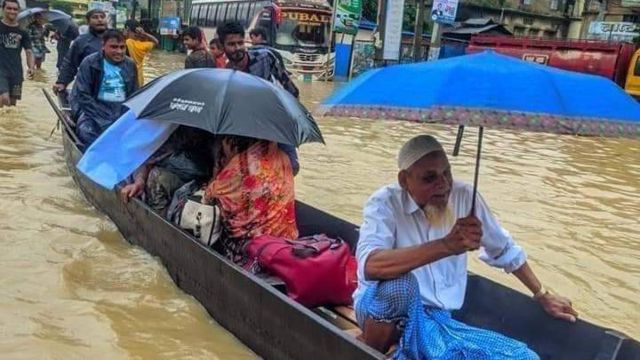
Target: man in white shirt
413,250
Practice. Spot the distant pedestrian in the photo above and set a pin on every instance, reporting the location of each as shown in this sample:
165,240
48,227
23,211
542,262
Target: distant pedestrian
139,45
12,40
259,40
199,56
218,53
37,34
257,62
64,39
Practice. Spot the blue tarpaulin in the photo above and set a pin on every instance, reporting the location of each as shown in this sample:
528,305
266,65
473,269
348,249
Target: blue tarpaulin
110,160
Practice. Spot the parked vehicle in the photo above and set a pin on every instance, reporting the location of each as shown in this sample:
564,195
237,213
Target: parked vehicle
299,30
615,61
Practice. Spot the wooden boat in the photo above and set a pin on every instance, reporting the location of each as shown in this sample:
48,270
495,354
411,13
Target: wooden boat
275,327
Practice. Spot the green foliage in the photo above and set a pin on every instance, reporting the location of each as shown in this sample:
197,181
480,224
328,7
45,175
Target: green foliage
370,12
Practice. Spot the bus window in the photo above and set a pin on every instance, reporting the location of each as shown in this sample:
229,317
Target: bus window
220,16
202,15
231,11
304,28
242,13
194,14
250,11
211,16
636,71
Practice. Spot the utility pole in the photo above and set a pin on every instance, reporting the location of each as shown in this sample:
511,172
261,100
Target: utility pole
417,34
434,46
382,19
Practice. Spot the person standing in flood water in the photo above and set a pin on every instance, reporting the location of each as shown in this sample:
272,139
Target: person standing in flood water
83,46
105,80
64,39
139,45
12,41
260,63
37,34
199,56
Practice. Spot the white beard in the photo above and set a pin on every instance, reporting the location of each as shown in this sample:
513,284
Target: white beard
439,217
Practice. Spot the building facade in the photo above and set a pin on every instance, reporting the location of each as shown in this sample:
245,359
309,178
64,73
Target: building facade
617,20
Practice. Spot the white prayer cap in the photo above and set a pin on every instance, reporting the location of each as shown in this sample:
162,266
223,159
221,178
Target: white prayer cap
417,147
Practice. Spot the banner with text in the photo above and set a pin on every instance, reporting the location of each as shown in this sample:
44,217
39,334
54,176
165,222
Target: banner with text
393,30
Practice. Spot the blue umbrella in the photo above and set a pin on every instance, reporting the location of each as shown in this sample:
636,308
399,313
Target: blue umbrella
493,90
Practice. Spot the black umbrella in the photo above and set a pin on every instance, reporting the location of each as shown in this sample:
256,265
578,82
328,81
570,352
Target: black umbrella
226,102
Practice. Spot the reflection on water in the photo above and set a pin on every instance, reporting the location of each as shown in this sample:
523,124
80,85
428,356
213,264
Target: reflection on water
72,285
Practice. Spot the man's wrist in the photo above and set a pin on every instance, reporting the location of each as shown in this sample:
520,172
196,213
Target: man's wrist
540,293
446,247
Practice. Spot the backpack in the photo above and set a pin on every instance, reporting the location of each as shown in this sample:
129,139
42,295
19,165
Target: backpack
279,74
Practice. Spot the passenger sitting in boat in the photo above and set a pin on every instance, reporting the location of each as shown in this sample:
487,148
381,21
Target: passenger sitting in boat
105,79
412,263
185,156
253,186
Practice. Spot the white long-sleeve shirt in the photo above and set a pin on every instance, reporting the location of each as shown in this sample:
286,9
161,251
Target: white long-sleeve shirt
393,220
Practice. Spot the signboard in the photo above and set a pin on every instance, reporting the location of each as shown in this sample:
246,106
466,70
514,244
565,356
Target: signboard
307,18
536,58
169,8
393,30
444,11
347,16
614,28
169,25
362,58
630,3
121,17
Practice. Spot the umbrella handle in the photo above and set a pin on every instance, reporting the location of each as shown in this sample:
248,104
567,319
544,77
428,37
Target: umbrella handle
456,147
477,171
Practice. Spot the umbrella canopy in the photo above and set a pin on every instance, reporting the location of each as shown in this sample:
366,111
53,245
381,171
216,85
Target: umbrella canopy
491,90
226,102
223,102
55,17
61,24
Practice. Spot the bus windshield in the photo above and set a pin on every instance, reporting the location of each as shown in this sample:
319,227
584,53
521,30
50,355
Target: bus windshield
304,28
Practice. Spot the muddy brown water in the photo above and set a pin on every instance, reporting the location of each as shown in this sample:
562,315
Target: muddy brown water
72,287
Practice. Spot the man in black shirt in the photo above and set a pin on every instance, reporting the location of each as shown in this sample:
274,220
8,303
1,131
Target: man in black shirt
64,41
12,41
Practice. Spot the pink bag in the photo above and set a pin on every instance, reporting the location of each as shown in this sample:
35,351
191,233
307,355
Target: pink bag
317,270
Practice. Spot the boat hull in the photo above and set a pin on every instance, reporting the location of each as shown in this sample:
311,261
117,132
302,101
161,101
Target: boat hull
275,327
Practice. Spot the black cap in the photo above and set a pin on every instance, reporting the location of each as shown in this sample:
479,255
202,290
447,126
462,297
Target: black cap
90,13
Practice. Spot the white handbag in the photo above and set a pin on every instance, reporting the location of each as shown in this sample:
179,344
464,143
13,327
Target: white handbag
204,221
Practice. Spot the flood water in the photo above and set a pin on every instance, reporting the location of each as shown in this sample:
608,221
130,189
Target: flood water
72,287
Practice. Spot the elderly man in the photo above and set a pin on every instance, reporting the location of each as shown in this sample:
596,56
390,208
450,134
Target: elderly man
412,258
